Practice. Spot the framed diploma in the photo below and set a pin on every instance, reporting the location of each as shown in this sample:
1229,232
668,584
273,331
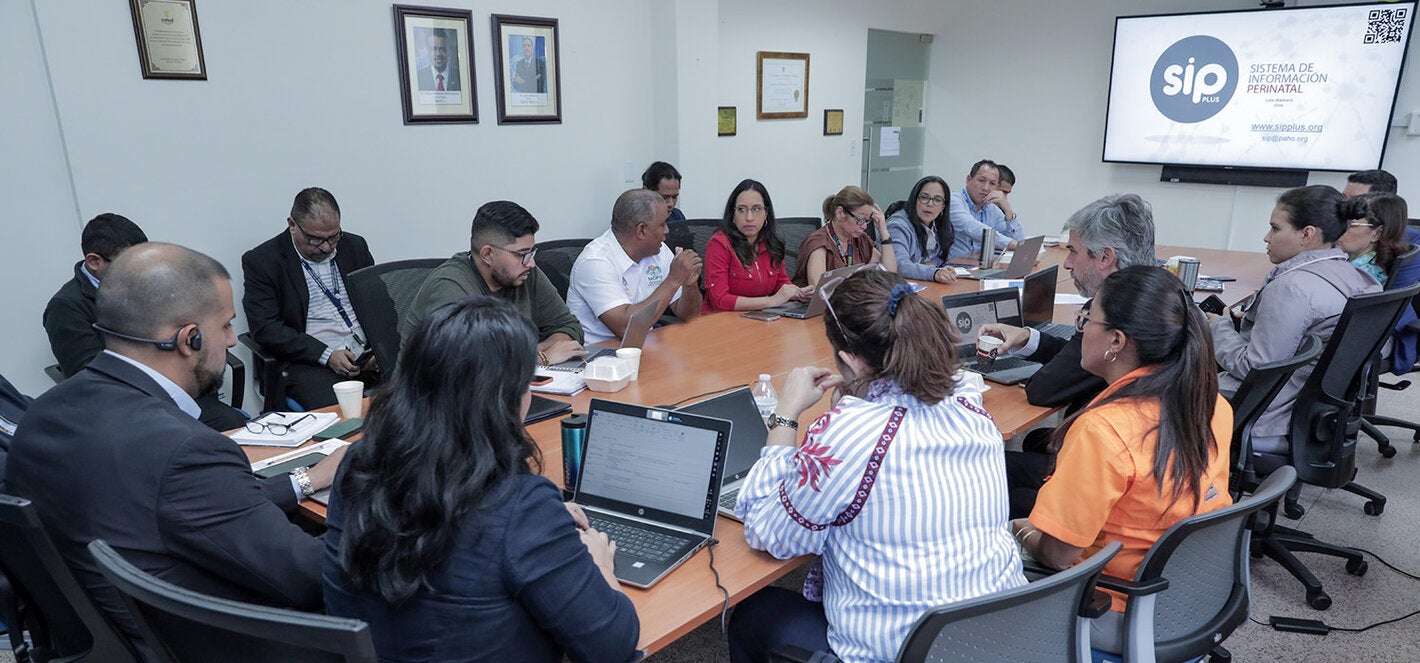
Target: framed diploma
727,120
833,122
169,44
435,51
527,70
783,86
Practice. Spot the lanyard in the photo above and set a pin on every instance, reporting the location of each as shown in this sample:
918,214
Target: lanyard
839,245
333,297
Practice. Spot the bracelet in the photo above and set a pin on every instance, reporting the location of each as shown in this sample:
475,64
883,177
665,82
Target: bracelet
541,358
303,481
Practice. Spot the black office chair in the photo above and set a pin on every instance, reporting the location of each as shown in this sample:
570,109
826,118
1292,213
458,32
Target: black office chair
55,375
1402,273
63,622
184,626
795,229
1043,618
1256,392
691,234
269,375
239,378
380,295
1324,426
556,257
1191,590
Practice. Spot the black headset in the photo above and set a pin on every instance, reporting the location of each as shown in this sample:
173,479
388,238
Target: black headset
167,345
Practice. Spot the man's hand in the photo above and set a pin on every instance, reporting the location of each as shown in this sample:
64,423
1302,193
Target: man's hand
322,474
685,268
562,349
343,363
999,199
1013,336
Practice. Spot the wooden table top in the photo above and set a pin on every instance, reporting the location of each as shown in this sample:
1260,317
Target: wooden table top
722,351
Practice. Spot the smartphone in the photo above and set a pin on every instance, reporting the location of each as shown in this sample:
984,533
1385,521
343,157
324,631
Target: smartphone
364,358
342,429
761,315
1213,305
278,469
539,380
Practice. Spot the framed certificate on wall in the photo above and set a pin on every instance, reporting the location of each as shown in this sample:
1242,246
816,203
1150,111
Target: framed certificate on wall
782,89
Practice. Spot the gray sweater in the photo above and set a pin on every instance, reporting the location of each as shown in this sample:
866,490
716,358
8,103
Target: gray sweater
910,261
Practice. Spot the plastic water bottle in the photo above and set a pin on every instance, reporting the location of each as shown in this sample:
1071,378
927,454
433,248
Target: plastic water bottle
764,396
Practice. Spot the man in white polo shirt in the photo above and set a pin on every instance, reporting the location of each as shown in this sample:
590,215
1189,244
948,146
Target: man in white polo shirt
629,265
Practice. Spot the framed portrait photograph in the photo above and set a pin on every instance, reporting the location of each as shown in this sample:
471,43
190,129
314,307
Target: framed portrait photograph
782,89
527,69
169,44
435,51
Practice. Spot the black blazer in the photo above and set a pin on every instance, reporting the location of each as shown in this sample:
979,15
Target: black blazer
108,454
275,295
1061,381
68,320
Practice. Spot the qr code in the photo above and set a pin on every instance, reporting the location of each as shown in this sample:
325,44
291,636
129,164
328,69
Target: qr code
1384,26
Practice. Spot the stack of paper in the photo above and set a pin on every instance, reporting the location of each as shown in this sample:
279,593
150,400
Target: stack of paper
564,383
302,426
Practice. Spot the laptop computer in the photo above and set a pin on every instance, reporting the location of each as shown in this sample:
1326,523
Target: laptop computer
1022,261
1038,303
815,305
637,328
969,311
746,440
651,481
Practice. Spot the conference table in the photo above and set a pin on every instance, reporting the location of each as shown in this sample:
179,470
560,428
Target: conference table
718,352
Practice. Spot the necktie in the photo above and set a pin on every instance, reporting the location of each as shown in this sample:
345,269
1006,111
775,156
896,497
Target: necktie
439,83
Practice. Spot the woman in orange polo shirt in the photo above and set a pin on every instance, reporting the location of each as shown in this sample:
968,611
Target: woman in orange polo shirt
1150,450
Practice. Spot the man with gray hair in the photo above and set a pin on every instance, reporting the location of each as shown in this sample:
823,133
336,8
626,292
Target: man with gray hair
630,264
116,452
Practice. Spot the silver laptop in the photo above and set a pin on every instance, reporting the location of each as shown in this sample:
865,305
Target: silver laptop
969,311
1038,304
651,481
815,306
746,440
637,328
1022,261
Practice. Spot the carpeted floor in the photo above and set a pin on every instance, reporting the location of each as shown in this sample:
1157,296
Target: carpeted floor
1334,516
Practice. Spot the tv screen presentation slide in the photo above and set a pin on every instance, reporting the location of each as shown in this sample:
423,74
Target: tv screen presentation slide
1310,88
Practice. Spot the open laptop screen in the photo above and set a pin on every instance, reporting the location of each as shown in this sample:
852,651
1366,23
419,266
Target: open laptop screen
972,310
652,463
1038,295
749,434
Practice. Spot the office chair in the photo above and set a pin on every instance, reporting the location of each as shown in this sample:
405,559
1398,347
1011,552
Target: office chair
1256,392
64,623
1191,590
1403,272
1324,426
795,229
239,378
380,295
269,375
1043,618
556,257
692,235
55,375
184,626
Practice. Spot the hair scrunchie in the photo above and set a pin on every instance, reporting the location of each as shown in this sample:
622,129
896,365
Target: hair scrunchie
898,292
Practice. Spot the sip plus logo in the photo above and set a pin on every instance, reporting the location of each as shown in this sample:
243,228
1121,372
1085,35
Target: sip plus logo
1194,79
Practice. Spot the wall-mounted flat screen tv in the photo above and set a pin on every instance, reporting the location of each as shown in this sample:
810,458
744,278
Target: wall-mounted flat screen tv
1307,88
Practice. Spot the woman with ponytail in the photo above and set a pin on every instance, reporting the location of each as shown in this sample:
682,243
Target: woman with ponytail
900,487
843,240
1150,450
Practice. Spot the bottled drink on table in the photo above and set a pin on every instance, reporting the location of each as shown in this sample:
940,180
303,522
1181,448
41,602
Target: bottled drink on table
764,396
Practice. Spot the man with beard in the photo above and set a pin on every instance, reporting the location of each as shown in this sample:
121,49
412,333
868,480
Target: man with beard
116,452
501,261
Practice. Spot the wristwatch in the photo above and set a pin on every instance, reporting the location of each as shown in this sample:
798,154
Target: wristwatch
776,421
303,482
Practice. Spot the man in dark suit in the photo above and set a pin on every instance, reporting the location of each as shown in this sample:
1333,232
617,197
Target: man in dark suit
69,317
116,452
442,73
12,408
297,303
1105,236
530,71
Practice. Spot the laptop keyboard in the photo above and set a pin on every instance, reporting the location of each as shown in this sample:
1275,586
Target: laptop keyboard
1001,364
1056,329
729,497
636,541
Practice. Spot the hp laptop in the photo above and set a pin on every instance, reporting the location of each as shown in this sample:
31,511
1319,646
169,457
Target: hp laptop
815,306
651,481
746,440
637,328
1038,303
1021,262
969,311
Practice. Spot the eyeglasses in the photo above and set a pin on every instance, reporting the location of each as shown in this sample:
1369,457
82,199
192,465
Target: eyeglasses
826,288
275,427
757,210
862,223
1361,224
934,201
1082,318
317,240
526,255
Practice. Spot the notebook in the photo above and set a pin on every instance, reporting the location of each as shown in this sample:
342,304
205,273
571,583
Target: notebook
1038,303
969,311
651,481
815,305
746,440
1021,262
637,328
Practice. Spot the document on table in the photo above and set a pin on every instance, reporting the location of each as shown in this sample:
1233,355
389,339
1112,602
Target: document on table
303,426
564,383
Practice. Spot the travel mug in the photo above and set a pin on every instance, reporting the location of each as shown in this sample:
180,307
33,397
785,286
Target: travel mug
574,442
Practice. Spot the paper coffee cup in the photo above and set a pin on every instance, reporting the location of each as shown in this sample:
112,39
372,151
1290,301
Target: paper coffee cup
987,349
351,397
632,359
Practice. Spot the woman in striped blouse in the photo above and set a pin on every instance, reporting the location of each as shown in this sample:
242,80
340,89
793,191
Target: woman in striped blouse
900,487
